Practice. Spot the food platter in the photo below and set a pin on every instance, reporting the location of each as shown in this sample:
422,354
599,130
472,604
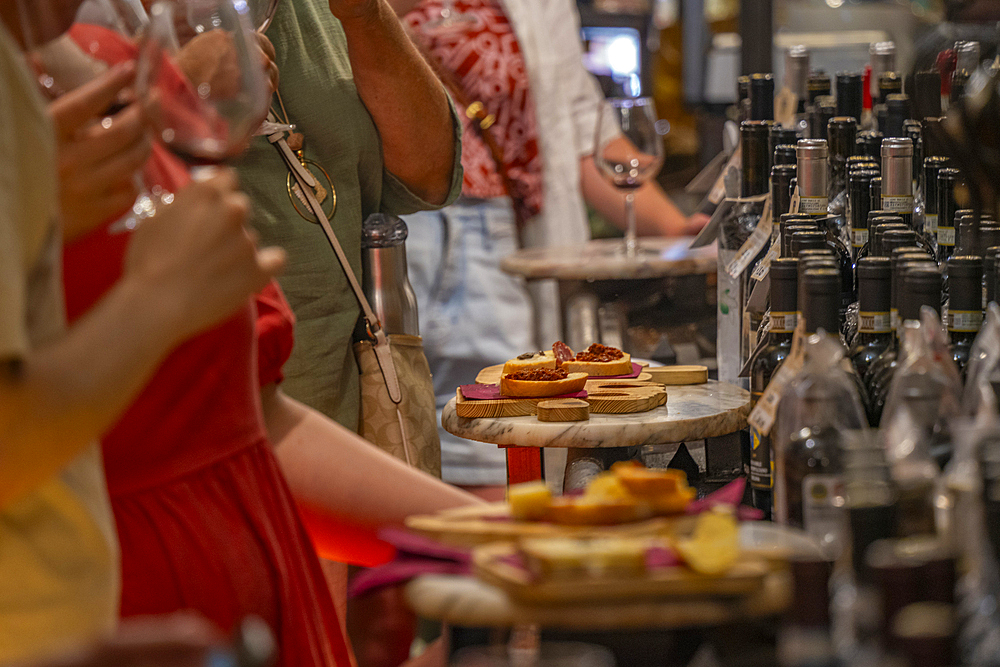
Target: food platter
496,564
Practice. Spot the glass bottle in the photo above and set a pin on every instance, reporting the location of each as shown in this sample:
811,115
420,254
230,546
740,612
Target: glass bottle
929,196
870,144
850,98
788,231
922,282
779,135
877,221
817,85
897,111
841,143
874,319
784,276
859,203
949,179
784,154
965,313
761,97
820,114
743,98
781,191
796,81
734,229
897,178
805,638
926,95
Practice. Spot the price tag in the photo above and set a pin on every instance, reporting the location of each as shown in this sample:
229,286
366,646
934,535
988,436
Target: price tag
753,245
718,191
931,223
793,205
764,413
859,237
813,205
874,322
761,270
710,232
946,235
965,320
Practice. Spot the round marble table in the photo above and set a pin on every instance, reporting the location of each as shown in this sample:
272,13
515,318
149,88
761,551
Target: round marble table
466,601
604,259
692,412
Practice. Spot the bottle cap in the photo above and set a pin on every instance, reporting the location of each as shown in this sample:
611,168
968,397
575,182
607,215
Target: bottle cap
841,136
784,154
870,144
821,292
967,56
850,97
761,97
811,156
874,277
784,273
743,87
927,94
797,69
965,279
804,240
921,287
897,238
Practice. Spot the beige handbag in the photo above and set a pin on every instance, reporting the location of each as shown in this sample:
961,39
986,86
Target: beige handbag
397,393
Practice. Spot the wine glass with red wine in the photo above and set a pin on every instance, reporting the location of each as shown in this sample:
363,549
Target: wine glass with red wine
628,151
201,79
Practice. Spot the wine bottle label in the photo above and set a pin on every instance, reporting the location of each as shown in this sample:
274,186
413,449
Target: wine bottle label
760,461
894,319
931,223
874,322
897,203
946,235
965,320
783,322
813,205
823,507
859,237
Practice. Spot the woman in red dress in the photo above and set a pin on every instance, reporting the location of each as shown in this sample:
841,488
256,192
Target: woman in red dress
205,517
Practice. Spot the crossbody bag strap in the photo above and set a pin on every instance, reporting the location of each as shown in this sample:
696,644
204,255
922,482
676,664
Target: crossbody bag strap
373,326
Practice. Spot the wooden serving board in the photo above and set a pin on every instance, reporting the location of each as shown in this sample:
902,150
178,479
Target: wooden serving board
604,396
492,565
484,523
491,375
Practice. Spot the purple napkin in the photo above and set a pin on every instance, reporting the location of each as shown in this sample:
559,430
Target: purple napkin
483,392
402,569
731,494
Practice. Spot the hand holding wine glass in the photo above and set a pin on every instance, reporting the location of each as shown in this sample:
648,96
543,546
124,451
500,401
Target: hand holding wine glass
201,78
628,152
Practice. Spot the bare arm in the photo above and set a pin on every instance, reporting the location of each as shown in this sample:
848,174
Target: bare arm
189,268
334,468
402,94
655,214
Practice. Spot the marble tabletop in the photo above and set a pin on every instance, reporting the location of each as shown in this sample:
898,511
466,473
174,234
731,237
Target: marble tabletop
604,259
692,412
468,602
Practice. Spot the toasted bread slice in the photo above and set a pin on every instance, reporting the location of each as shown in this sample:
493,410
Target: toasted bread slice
571,511
529,361
644,482
621,366
535,389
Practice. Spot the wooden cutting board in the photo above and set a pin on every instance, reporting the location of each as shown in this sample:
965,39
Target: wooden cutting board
604,397
492,563
484,523
491,375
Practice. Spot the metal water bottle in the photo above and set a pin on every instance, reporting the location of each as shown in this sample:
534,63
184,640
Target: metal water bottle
383,274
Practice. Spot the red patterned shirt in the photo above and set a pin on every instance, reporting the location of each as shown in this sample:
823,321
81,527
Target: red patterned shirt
485,57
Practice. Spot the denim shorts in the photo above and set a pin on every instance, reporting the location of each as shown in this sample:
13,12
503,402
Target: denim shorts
472,314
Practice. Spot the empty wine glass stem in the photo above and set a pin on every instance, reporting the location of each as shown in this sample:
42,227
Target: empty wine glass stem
631,240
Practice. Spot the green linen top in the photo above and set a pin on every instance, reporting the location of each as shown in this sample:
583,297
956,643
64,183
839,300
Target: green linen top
319,95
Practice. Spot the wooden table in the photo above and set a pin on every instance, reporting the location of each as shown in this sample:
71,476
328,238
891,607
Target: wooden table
692,412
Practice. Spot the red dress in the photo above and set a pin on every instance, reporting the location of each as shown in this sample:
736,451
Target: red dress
205,518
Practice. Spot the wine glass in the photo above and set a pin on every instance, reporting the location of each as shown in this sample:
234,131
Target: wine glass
629,152
201,79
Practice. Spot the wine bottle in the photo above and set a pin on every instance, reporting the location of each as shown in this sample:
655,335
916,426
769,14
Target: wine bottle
965,231
990,274
897,111
820,115
805,638
788,231
989,236
878,222
965,300
743,98
761,97
850,100
874,307
949,179
870,144
784,154
859,203
918,284
928,196
926,95
882,56
784,275
811,175
897,179
734,229
780,136
841,142
817,85
781,190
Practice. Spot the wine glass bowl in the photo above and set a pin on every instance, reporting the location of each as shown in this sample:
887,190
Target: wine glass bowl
629,151
201,79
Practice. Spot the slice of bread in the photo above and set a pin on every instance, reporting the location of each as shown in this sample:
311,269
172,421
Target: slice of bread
533,389
621,366
529,361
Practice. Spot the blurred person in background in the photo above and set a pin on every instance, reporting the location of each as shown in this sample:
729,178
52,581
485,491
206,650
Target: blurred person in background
61,388
522,60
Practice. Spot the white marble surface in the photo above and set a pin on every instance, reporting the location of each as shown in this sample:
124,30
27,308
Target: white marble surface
466,601
603,259
692,412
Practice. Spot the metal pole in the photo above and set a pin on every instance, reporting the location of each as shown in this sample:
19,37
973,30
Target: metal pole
695,48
